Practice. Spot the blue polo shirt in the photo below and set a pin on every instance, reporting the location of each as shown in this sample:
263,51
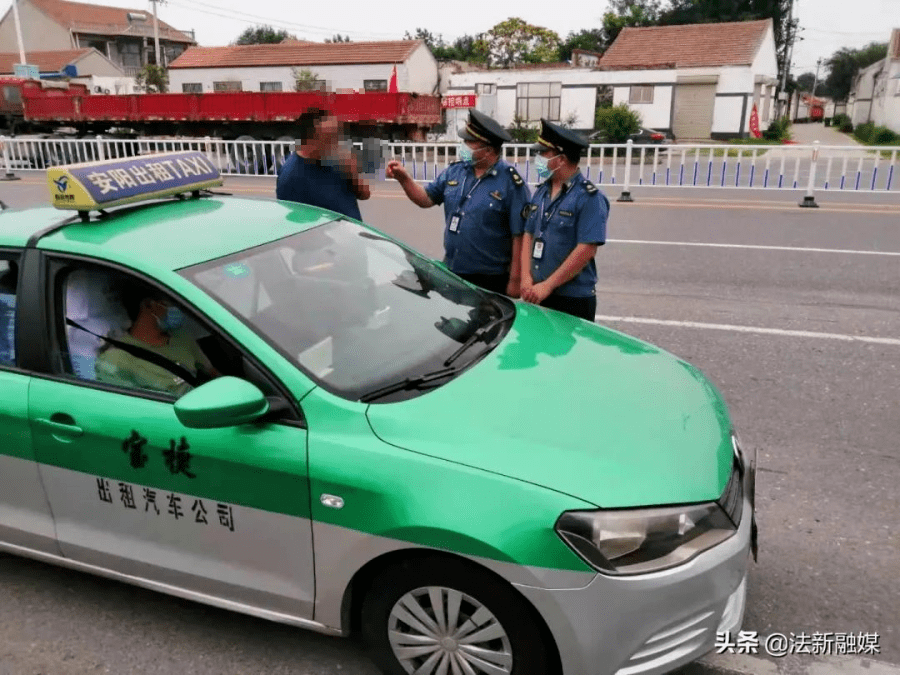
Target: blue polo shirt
490,211
310,182
7,328
577,216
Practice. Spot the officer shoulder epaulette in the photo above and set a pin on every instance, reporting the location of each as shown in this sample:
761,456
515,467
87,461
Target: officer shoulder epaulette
589,187
517,179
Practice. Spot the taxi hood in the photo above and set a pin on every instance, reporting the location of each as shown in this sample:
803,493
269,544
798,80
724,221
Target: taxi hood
576,408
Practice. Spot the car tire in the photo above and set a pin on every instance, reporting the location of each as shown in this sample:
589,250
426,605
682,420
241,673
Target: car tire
401,630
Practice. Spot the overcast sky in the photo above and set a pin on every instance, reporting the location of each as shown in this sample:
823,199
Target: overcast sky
827,24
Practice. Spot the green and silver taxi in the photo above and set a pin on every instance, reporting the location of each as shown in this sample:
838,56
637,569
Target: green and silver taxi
274,409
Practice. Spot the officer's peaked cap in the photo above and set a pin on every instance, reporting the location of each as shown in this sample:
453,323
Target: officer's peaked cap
482,128
566,141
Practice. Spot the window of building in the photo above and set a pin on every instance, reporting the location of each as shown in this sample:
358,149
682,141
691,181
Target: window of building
192,87
641,94
227,86
486,88
375,85
270,86
12,95
535,100
130,53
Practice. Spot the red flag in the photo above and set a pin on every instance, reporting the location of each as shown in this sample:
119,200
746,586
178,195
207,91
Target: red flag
392,85
754,123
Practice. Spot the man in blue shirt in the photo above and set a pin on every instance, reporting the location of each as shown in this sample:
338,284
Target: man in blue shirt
484,200
320,173
8,280
566,222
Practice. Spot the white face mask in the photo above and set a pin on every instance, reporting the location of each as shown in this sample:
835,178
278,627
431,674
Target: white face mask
541,166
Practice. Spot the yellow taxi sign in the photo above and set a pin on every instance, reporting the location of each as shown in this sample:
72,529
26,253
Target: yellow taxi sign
98,185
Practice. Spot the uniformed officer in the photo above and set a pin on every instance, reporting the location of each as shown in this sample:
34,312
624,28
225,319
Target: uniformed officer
565,223
484,200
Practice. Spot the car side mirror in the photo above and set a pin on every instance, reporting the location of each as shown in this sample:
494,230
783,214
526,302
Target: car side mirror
222,402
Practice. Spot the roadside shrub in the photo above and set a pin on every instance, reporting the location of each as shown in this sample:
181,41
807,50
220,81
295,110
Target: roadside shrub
840,119
779,130
521,132
864,132
884,136
617,122
847,127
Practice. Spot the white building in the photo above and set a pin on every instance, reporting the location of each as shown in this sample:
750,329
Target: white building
358,66
697,81
876,90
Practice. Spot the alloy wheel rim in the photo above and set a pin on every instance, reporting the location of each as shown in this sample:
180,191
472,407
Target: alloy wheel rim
436,630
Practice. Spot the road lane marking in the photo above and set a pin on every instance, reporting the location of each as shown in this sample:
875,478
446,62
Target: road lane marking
752,246
781,332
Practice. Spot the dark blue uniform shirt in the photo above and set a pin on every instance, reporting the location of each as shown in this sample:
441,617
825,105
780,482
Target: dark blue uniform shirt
490,215
309,182
577,216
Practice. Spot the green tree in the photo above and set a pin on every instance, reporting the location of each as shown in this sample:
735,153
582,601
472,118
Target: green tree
844,65
305,79
627,14
514,42
617,122
338,38
439,48
588,39
805,83
153,79
261,35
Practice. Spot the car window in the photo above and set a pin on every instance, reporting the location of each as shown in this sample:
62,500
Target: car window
352,309
9,277
120,330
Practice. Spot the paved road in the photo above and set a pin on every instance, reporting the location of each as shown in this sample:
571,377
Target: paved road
793,313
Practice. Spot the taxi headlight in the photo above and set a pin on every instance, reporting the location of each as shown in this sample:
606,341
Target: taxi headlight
639,541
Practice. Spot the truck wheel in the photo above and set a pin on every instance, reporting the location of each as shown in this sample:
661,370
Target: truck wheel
437,615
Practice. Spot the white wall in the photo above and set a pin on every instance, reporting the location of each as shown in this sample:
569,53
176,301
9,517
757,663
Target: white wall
727,115
39,33
656,115
418,76
115,85
766,62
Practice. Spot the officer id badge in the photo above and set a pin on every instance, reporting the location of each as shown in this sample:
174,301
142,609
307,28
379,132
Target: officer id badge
454,223
538,250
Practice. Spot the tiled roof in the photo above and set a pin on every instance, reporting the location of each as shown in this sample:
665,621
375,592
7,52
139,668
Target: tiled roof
688,46
82,17
289,54
47,62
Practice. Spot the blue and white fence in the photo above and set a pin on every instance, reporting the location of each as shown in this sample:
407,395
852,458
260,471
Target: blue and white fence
751,167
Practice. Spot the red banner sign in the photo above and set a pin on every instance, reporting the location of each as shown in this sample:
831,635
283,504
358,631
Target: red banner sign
754,123
460,101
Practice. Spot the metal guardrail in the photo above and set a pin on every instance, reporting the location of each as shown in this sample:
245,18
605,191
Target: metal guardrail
753,167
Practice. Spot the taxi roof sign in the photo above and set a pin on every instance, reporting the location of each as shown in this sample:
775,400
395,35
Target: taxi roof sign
97,185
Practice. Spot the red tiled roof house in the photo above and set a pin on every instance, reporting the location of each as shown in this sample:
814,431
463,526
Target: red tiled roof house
698,81
358,66
124,36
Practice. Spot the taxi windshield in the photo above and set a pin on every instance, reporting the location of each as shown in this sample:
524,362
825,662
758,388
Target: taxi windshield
355,310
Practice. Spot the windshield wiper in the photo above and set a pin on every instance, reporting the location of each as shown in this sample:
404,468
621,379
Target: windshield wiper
480,333
408,383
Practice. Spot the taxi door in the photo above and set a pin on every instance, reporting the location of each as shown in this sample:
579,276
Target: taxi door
219,512
25,519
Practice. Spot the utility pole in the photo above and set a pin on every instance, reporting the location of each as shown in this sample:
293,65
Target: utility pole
816,81
15,5
156,33
789,43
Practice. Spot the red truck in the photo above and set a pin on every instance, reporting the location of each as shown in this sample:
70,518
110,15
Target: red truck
241,115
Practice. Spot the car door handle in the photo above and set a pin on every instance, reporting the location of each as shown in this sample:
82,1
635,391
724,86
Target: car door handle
64,428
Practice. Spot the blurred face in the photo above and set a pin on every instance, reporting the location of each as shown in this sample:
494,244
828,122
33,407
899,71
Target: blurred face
327,131
480,151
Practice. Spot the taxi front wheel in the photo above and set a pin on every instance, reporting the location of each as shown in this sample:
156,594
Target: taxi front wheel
434,616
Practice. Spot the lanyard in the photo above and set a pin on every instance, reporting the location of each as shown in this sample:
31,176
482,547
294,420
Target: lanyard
544,221
469,193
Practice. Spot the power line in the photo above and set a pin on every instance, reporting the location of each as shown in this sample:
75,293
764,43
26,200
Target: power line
255,19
